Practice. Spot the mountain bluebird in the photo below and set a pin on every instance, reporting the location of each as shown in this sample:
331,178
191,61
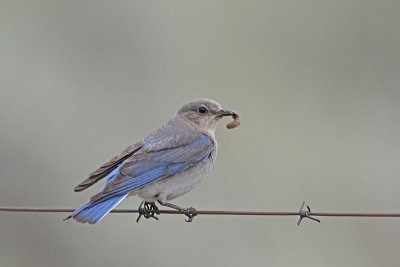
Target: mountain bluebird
166,164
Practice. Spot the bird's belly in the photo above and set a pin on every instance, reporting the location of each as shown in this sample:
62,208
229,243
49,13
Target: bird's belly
176,185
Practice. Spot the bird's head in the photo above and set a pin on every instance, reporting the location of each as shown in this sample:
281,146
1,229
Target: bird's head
204,113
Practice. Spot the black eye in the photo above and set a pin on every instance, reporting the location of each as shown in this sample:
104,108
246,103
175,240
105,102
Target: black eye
202,110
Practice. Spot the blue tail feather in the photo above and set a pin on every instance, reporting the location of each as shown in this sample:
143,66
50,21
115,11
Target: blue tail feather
95,213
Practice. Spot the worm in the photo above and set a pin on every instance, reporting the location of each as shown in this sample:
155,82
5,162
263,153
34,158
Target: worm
236,121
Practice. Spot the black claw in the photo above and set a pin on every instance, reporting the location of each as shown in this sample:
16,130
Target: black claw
147,210
189,213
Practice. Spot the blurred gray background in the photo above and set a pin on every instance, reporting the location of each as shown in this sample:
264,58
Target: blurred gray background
317,86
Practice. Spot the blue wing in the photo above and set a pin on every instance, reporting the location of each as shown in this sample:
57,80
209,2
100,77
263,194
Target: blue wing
145,168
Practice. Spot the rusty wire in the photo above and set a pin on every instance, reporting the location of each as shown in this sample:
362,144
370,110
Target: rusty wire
302,213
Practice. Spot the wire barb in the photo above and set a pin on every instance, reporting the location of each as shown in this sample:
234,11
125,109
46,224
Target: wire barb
305,214
147,210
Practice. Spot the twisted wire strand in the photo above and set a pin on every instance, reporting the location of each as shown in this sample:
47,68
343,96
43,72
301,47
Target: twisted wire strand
215,212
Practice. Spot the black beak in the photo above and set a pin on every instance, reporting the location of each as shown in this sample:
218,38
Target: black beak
224,112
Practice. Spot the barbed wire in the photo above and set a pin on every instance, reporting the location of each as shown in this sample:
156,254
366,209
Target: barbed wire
303,213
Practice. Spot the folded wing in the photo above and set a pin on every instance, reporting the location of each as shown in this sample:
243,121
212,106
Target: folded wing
144,168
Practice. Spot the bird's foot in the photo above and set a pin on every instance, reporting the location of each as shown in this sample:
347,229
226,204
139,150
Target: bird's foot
189,213
147,210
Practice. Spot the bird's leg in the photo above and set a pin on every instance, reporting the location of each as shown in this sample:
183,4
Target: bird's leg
188,211
147,209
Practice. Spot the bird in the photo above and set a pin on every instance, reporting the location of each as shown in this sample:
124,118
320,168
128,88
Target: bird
162,166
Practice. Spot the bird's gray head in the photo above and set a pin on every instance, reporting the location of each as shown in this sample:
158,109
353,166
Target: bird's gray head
203,113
